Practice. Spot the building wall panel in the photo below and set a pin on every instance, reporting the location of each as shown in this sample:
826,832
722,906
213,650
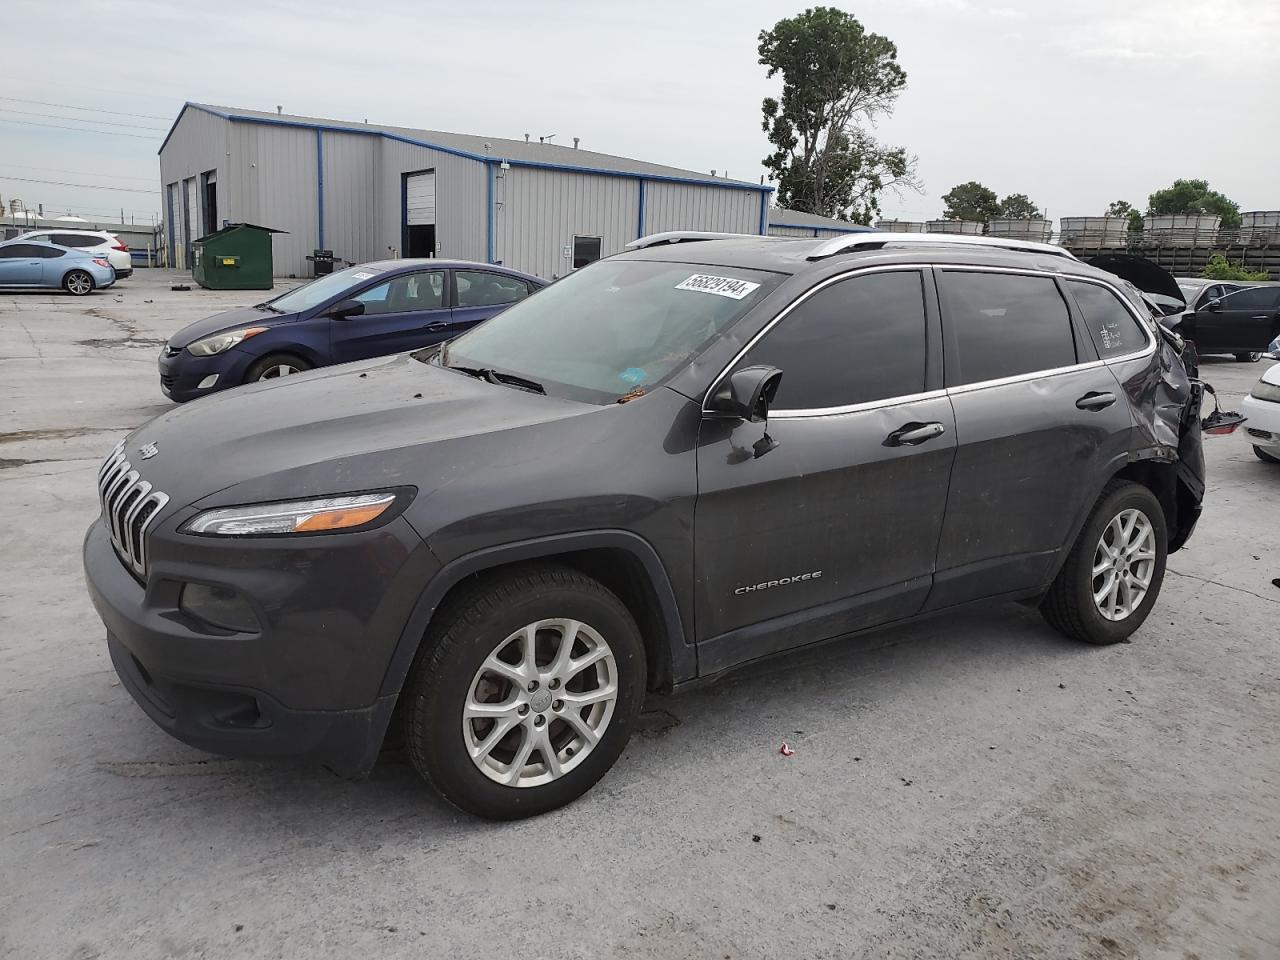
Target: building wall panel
461,224
199,144
277,171
681,206
538,212
350,176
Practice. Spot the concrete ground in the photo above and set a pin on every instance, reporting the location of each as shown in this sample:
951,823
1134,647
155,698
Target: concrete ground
975,786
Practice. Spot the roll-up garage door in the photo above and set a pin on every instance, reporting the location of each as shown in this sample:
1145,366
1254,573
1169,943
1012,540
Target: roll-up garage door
420,199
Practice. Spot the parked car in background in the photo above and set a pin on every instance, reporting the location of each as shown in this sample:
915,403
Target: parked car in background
1262,411
1242,322
364,311
494,541
1198,291
25,264
94,241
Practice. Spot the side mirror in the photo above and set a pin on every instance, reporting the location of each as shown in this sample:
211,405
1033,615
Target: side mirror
346,309
1213,306
747,393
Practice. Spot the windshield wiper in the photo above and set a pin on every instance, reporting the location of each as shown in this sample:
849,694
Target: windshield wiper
505,379
267,306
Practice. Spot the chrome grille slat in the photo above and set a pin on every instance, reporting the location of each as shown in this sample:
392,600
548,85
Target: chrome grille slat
127,500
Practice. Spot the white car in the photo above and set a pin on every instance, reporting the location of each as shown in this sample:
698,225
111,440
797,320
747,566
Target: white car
1262,410
99,241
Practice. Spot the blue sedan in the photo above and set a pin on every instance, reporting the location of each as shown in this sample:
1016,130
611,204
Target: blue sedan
25,264
367,311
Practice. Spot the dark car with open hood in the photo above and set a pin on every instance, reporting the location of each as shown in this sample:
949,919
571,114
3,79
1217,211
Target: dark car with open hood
681,459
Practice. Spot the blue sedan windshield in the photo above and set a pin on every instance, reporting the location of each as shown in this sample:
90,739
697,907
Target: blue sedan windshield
319,290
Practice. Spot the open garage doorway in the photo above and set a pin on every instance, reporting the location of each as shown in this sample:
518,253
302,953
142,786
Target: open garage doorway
419,230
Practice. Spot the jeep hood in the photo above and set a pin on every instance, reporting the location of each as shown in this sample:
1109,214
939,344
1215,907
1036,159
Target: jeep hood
357,426
1142,273
228,320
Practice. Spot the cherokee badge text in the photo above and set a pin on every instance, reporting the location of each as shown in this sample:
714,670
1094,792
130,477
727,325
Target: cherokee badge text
752,588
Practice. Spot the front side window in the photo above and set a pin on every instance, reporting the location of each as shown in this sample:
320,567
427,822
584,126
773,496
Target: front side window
1113,328
856,341
24,251
617,326
481,289
585,250
1252,298
1003,325
414,291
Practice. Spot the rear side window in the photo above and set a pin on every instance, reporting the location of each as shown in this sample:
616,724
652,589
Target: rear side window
1252,298
75,240
856,341
480,289
1113,328
1003,325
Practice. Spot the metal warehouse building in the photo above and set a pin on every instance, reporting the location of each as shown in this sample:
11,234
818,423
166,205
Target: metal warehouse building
794,223
370,192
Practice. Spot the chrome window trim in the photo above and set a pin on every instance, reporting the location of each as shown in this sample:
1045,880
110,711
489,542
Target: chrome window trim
846,408
802,414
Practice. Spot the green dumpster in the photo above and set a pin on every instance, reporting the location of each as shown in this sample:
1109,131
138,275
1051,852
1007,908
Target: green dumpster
237,257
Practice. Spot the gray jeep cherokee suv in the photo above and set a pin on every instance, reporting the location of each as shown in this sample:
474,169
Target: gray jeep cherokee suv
680,459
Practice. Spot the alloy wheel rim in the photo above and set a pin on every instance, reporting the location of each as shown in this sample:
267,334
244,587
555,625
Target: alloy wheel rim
279,370
540,703
1124,563
78,284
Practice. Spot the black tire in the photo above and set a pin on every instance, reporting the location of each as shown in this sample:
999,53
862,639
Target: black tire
464,633
1248,357
1069,606
1263,455
262,368
78,283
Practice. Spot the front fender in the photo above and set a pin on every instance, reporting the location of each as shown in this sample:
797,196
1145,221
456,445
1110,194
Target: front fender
683,656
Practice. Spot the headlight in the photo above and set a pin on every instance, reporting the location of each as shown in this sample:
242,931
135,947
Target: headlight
1265,391
294,516
222,342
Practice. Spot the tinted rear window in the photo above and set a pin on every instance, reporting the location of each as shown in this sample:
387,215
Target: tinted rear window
1003,325
1113,328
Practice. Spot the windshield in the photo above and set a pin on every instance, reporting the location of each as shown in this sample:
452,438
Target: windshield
613,327
320,289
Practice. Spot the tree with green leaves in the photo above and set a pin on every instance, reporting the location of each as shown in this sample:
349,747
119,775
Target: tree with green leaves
1194,198
836,78
1018,206
1220,268
970,201
1125,209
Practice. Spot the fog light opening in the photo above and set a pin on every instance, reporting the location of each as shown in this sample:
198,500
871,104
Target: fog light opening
218,606
207,382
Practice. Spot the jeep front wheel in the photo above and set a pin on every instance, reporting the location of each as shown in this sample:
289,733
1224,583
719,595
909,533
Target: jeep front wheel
525,693
1112,576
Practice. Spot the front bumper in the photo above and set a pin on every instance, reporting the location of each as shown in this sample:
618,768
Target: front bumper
1262,422
256,695
182,373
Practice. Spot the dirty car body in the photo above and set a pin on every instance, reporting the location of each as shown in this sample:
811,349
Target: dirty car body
945,473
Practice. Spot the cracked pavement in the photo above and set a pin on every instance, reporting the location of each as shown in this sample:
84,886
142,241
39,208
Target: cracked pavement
971,786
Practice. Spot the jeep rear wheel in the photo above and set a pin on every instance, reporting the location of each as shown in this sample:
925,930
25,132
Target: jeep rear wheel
525,693
1112,576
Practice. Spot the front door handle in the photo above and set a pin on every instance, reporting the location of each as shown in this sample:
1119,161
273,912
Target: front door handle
912,434
1096,401
436,325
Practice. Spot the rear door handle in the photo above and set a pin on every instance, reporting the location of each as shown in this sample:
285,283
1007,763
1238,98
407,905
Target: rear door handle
436,325
912,434
1096,401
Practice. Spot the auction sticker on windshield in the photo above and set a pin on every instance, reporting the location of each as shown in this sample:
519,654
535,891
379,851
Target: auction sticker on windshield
730,287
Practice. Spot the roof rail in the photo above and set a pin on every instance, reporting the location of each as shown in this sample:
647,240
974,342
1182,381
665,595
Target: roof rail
689,236
829,248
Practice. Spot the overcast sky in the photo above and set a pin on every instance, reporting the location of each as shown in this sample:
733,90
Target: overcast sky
1074,103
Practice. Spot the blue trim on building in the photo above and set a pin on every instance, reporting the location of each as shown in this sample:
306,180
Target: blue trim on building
764,214
640,214
320,186
404,212
466,154
489,217
171,238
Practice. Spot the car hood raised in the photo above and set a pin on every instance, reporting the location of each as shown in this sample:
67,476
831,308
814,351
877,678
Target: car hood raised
227,320
1142,273
357,426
